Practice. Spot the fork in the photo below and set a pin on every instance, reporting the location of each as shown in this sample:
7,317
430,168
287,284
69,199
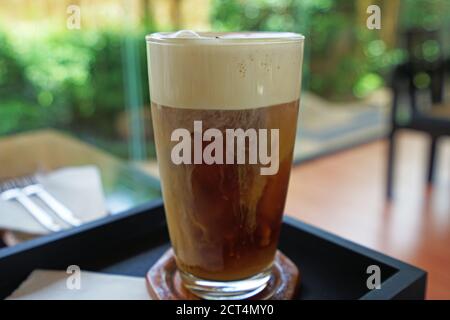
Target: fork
32,187
10,191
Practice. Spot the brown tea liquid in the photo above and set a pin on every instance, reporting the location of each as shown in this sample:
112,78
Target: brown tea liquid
224,219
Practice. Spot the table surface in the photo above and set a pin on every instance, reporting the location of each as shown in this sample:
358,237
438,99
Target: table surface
124,184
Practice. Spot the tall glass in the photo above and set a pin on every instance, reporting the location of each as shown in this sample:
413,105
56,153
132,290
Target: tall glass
224,109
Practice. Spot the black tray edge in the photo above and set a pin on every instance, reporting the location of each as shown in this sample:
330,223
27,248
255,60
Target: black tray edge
398,286
395,287
49,238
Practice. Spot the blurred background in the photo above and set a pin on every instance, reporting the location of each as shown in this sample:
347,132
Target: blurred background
64,84
92,81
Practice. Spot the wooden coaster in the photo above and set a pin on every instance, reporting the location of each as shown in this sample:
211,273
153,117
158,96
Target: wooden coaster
164,280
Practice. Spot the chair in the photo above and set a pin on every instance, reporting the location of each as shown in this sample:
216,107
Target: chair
432,118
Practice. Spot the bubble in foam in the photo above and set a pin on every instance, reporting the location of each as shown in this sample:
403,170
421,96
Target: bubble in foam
185,34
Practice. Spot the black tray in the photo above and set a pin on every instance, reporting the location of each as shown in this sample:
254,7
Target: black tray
129,244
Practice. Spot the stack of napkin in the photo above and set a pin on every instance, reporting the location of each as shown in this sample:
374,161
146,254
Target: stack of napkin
59,285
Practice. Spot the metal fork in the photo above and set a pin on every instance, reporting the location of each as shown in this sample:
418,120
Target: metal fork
10,191
32,187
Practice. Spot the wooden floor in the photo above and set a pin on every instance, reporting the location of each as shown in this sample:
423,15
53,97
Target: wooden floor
344,194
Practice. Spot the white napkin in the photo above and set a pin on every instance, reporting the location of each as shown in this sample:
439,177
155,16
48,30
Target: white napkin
78,188
52,285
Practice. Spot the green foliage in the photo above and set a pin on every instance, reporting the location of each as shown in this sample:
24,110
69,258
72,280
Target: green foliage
266,15
65,80
428,14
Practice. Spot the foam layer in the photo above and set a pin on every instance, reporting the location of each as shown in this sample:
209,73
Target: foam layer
224,70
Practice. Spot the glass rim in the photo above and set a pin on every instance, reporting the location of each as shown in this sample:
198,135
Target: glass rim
223,38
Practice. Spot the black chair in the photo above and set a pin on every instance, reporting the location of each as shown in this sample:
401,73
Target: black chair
432,118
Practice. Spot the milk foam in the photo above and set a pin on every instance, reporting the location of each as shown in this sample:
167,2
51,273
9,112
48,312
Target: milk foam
224,71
